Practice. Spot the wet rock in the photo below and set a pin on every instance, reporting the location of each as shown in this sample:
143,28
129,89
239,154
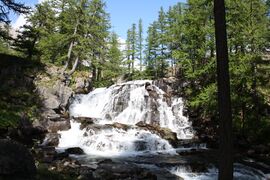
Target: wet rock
113,170
51,139
54,126
164,133
120,126
153,94
75,150
48,154
68,166
140,145
15,160
62,155
104,161
121,100
85,121
149,87
168,85
86,173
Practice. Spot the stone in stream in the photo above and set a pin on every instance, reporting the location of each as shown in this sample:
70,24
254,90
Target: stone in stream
16,161
164,133
85,121
113,170
75,150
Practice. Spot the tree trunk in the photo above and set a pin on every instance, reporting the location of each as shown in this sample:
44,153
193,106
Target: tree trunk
70,48
224,100
94,72
133,59
74,66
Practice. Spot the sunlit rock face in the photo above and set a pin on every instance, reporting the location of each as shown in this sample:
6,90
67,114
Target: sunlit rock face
126,104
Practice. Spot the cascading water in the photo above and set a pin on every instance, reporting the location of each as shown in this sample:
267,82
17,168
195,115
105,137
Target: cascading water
241,172
128,103
120,114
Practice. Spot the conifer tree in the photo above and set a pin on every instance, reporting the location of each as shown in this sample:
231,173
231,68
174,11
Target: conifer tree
151,51
134,42
162,57
140,43
10,5
128,50
113,65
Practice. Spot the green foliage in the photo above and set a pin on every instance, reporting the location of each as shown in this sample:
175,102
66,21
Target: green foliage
68,32
185,35
17,98
112,67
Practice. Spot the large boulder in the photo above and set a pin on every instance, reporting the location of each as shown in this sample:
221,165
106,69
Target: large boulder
15,161
54,93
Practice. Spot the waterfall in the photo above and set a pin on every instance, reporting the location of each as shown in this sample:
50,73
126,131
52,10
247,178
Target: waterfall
127,103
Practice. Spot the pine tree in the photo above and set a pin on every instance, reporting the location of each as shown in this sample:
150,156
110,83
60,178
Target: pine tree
162,57
133,41
128,50
140,44
174,33
151,51
98,32
113,65
10,5
7,6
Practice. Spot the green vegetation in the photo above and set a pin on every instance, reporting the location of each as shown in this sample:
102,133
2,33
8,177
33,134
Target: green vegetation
17,98
180,43
189,36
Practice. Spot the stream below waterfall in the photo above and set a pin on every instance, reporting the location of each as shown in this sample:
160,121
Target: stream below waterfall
137,123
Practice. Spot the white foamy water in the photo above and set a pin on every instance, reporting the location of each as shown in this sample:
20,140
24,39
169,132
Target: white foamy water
130,103
114,142
127,103
241,172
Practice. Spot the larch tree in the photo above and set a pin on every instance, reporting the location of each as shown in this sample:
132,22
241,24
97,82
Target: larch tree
134,50
162,57
10,5
113,68
140,43
151,50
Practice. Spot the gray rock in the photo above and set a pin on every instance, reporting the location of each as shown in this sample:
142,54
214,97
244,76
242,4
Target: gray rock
80,83
54,126
51,139
51,101
63,93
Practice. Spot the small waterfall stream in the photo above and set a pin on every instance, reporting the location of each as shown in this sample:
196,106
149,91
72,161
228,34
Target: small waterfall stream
130,104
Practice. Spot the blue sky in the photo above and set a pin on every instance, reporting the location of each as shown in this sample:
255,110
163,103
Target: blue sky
125,12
